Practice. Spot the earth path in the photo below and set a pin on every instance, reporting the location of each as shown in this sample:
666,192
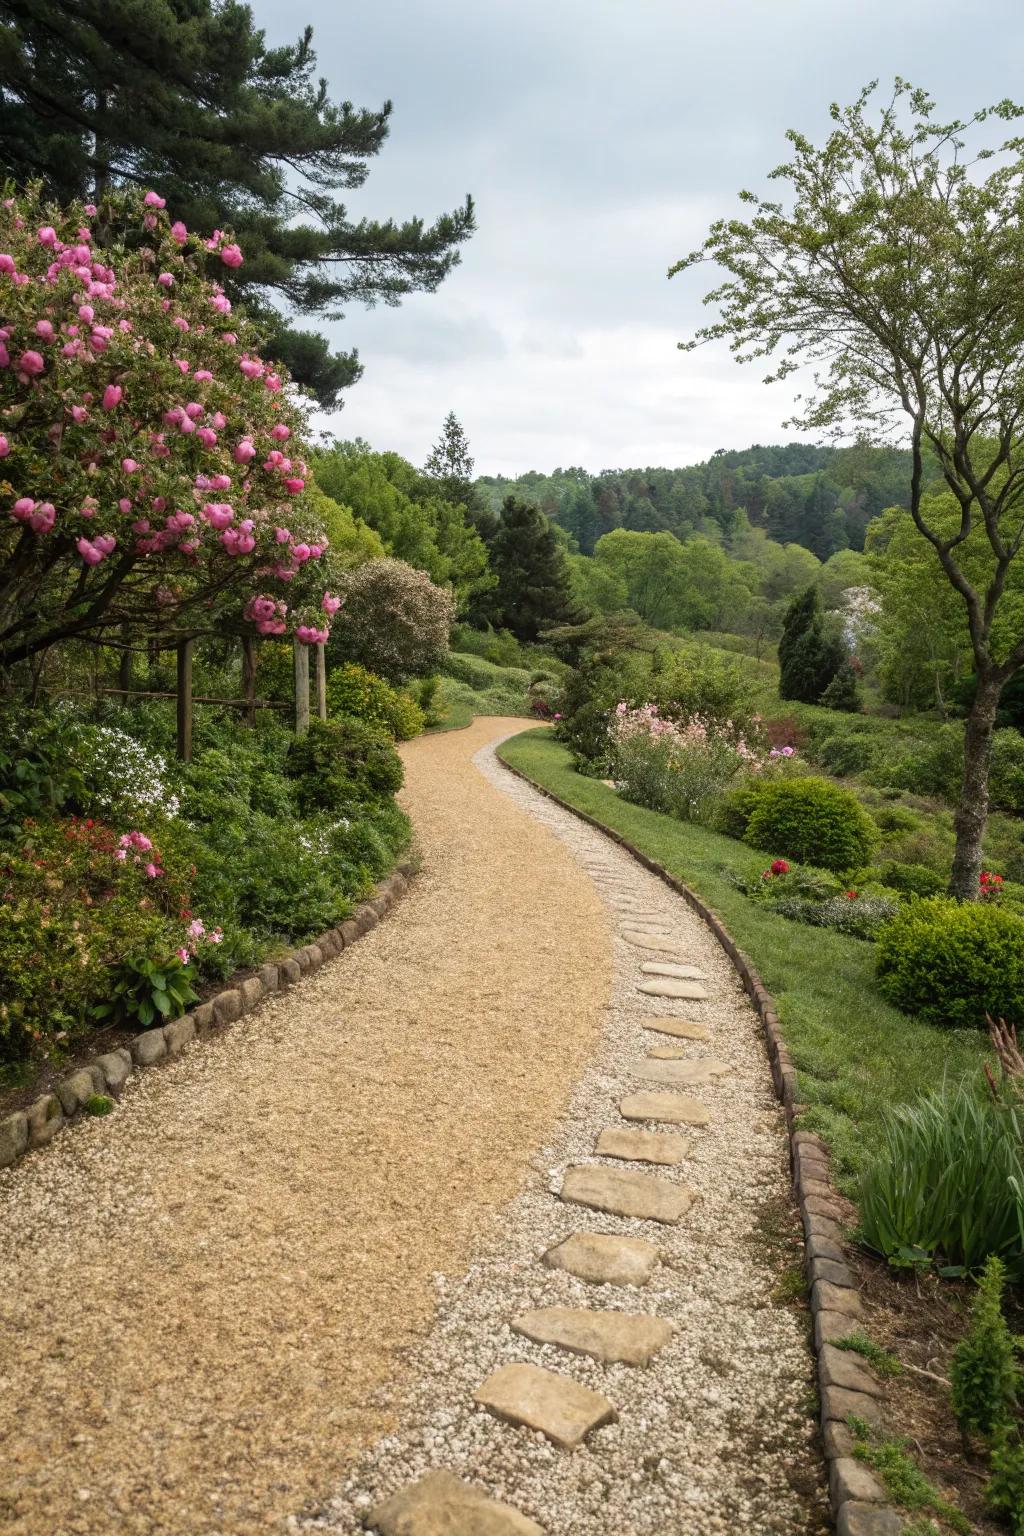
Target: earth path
203,1297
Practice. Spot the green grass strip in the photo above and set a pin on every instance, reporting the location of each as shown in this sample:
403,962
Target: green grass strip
855,1054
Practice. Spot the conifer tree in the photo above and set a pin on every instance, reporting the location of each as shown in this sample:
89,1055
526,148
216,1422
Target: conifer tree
451,463
808,658
533,583
188,99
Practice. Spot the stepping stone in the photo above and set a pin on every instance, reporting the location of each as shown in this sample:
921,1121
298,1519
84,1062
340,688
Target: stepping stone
683,1029
666,968
670,1108
556,1405
614,1338
604,1260
642,1146
655,941
440,1504
667,1053
668,986
625,1193
703,1070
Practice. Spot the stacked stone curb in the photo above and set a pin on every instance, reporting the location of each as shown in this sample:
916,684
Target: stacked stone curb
35,1127
846,1387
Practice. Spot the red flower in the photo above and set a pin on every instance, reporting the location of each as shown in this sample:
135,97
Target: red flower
779,867
851,895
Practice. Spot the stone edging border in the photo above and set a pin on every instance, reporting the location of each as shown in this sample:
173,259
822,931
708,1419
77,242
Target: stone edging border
26,1130
846,1387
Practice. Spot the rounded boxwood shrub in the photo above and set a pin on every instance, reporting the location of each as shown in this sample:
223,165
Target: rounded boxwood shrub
811,820
951,963
342,762
911,879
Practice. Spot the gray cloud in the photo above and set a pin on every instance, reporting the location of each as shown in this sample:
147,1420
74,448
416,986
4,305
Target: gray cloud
600,138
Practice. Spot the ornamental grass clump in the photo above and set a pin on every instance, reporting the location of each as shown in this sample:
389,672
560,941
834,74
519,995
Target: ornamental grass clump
946,1186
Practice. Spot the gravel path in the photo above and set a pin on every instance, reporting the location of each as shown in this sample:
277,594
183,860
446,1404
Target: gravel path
206,1299
716,1435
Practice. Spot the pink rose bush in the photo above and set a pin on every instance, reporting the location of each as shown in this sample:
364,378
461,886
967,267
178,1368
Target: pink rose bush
146,445
679,767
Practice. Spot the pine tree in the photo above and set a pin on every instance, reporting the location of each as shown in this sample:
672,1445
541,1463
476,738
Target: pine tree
450,462
533,584
808,658
187,99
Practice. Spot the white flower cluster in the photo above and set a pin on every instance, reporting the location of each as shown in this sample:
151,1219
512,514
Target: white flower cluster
122,775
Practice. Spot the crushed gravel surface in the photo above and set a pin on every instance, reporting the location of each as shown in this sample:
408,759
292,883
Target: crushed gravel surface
718,1434
208,1298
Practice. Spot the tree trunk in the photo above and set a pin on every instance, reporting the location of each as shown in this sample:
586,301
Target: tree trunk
972,811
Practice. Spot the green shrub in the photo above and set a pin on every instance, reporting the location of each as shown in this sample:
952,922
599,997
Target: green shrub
951,963
734,810
811,820
911,879
1005,1490
339,763
145,990
353,691
983,1370
1006,776
947,1182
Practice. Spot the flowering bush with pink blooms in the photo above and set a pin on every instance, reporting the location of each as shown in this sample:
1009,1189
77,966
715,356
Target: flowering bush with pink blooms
680,767
151,461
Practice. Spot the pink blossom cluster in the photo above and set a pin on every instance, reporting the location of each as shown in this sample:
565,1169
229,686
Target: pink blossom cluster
135,847
694,733
134,423
199,934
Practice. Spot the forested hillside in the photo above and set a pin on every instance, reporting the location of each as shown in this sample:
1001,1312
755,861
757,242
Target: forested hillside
820,497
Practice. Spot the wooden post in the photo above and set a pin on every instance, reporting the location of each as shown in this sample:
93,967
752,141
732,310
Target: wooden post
301,688
249,678
185,700
321,681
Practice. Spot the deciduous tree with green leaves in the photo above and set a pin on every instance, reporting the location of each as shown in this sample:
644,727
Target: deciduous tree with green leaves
895,269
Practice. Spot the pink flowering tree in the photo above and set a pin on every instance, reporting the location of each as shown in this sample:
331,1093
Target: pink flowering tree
151,464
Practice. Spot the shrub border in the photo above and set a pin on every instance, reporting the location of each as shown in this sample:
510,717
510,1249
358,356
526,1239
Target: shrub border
30,1129
845,1385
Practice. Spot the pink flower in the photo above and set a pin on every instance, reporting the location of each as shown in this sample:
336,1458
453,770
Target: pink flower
79,414
44,328
183,955
166,280
5,446
31,363
47,235
154,200
231,256
23,509
309,635
90,210
179,232
294,486
112,396
330,605
245,451
7,265
281,432
218,514
129,466
88,551
207,437
152,871
196,929
43,519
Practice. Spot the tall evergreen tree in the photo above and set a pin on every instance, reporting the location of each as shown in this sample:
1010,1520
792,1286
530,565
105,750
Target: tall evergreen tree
808,658
450,462
533,582
185,97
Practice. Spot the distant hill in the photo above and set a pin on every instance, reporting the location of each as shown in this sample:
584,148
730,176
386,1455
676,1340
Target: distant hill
820,497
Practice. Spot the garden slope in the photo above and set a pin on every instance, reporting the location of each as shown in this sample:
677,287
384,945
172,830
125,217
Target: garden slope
206,1297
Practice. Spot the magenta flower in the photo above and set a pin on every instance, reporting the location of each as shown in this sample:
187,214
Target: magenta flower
112,396
5,446
31,363
179,232
231,256
330,605
47,235
154,200
88,551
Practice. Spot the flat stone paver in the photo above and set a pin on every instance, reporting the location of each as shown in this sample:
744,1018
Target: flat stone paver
667,1053
654,941
668,968
614,1338
642,1146
604,1260
683,1029
671,1108
625,1193
704,1069
556,1405
667,986
440,1504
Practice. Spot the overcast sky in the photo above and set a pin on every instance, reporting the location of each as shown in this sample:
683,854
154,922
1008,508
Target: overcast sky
599,139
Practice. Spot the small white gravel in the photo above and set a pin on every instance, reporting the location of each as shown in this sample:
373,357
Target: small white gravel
718,1434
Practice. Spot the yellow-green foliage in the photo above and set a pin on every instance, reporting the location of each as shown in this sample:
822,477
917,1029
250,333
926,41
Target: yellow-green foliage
352,690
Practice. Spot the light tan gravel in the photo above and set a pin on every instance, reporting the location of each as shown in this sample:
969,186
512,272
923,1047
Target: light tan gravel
203,1296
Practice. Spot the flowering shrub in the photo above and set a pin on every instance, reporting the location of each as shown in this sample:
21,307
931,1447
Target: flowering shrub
78,900
151,461
678,767
395,621
808,895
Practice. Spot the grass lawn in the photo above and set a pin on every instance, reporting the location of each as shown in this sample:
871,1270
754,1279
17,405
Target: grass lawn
854,1052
